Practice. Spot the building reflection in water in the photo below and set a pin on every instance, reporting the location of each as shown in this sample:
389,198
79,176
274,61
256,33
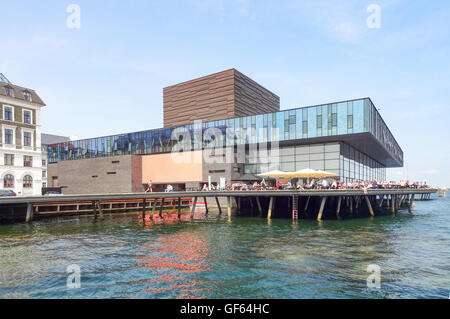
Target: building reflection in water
175,258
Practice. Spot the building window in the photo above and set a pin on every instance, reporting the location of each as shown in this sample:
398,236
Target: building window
334,119
8,181
27,181
44,185
27,96
319,121
9,91
44,174
8,113
9,159
8,136
44,163
26,139
27,161
27,117
350,122
305,127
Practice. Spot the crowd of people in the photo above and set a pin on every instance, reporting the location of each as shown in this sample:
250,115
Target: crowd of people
326,183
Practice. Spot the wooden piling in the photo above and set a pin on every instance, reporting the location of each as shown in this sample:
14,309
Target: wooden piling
179,207
94,209
218,206
206,206
229,206
269,212
410,204
193,207
161,207
338,208
322,206
30,212
258,203
144,207
369,205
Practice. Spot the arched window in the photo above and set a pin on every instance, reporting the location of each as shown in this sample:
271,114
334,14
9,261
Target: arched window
8,181
27,181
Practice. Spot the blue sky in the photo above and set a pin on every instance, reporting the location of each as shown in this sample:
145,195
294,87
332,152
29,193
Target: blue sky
107,77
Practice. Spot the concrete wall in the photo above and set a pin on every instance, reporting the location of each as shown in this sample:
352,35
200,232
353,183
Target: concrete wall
118,174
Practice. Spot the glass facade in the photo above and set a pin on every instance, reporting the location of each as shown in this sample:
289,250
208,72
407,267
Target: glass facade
338,158
349,117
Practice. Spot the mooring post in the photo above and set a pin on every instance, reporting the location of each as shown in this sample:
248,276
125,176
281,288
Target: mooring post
206,206
30,212
259,206
229,206
269,212
322,206
218,206
193,207
161,207
338,209
369,205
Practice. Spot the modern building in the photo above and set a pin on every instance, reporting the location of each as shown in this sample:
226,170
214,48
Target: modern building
46,140
243,133
20,139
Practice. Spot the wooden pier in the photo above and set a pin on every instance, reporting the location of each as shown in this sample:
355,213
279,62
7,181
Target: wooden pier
306,204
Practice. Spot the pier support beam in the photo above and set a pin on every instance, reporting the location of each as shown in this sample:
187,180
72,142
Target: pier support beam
269,212
229,207
161,207
322,206
381,201
144,208
206,206
410,204
30,211
179,207
193,207
393,204
369,205
350,199
258,203
218,206
338,208
100,210
94,209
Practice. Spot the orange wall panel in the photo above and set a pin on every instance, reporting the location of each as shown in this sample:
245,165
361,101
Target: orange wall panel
171,168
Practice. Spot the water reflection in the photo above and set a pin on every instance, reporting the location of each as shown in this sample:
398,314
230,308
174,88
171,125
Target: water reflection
174,259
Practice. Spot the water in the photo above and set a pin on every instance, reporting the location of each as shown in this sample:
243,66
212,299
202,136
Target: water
124,257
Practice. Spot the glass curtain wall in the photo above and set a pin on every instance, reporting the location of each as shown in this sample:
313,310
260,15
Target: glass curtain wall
348,117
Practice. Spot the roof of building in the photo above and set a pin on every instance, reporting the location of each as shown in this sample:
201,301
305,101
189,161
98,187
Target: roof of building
48,139
18,91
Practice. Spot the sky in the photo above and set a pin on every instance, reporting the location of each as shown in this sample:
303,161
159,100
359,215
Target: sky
106,77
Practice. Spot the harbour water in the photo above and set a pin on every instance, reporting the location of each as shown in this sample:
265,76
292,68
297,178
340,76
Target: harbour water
124,256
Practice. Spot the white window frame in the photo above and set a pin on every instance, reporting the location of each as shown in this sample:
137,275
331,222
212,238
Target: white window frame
23,138
13,128
4,111
31,116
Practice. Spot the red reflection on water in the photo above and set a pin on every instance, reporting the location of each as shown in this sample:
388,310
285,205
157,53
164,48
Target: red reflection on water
174,257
